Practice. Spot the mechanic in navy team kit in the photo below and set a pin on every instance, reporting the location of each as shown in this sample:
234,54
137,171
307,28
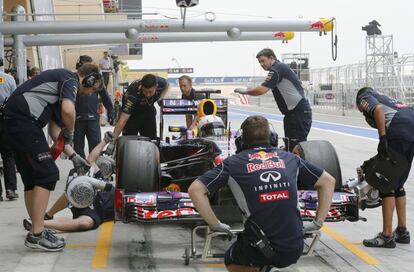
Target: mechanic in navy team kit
50,95
87,116
138,111
103,205
395,124
289,96
263,180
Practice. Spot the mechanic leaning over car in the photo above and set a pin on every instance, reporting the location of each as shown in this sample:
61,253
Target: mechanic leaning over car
7,86
87,116
289,96
138,111
48,96
187,92
263,180
395,124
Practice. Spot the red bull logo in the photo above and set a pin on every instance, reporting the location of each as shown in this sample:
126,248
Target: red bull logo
318,24
262,155
280,35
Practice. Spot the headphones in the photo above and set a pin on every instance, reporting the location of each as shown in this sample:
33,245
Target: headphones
91,79
241,145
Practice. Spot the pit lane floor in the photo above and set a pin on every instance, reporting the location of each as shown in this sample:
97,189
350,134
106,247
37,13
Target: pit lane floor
122,247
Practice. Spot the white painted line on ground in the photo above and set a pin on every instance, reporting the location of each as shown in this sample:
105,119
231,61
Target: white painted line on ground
314,128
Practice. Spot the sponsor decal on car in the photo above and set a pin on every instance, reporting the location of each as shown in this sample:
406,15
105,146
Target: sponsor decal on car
154,214
333,214
143,199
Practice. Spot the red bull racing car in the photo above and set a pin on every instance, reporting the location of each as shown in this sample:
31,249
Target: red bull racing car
152,178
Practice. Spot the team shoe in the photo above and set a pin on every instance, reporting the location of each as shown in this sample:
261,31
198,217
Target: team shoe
27,224
47,217
46,241
402,236
11,194
380,241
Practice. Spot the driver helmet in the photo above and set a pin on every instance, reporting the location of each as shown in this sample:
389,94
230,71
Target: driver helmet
211,125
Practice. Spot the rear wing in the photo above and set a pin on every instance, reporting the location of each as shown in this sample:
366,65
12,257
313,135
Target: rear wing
184,106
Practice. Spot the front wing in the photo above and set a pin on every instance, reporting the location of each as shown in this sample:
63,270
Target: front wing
177,207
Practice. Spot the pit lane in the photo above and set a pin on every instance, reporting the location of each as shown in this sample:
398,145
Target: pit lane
121,247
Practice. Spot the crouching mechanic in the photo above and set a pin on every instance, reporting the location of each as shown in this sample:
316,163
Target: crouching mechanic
263,180
395,124
26,112
90,217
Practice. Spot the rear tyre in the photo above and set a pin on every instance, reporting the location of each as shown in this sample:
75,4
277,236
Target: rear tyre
138,166
323,155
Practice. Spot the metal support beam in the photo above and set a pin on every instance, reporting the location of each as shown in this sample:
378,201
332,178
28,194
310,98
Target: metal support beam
66,27
19,50
113,38
1,36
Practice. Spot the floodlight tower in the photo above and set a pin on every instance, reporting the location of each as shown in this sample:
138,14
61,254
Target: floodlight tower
380,61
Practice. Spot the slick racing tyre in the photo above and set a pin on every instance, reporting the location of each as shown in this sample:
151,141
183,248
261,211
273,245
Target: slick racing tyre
138,166
323,155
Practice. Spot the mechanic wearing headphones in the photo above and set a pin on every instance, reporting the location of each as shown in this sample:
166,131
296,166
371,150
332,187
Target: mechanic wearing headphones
395,124
87,117
263,180
138,111
187,92
50,95
289,96
103,206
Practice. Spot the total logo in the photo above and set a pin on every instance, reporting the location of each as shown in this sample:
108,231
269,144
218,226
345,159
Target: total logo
270,176
274,196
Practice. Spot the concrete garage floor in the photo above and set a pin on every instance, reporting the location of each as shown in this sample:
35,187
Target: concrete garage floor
121,247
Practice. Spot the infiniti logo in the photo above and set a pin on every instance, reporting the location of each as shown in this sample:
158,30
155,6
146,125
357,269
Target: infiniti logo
270,176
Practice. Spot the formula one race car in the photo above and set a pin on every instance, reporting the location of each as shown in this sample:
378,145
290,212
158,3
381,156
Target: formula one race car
152,178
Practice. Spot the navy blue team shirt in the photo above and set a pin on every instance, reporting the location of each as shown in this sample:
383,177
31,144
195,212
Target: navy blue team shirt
399,118
135,101
264,182
41,97
193,95
286,88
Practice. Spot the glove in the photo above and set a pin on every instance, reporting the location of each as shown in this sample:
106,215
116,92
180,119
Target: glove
109,137
221,227
240,91
67,135
110,149
383,147
311,226
80,164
